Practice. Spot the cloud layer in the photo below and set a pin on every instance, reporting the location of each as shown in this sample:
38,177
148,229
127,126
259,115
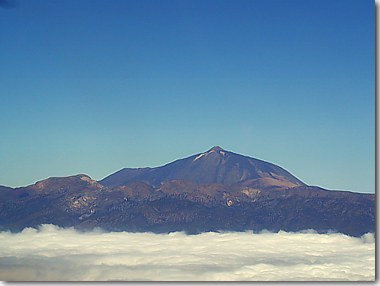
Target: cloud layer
56,254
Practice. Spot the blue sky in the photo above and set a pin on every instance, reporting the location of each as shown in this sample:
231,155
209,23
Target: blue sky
91,86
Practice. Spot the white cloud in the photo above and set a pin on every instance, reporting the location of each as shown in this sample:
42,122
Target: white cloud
56,254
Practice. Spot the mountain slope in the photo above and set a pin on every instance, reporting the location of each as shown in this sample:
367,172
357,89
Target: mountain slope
123,176
213,166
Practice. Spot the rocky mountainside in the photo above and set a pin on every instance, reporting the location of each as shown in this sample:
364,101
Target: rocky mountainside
216,190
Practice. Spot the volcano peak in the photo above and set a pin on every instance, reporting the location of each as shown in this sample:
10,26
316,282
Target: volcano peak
216,149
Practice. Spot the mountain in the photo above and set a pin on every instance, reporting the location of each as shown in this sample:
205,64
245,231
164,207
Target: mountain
213,166
216,190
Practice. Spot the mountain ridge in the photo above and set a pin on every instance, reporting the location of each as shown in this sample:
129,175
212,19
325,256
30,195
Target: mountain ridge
216,190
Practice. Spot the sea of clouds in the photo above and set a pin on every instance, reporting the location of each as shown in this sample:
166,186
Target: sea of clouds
57,254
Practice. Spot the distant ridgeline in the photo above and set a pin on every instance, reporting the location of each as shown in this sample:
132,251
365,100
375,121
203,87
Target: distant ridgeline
217,190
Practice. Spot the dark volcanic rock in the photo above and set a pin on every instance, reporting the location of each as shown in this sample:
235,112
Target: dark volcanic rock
212,191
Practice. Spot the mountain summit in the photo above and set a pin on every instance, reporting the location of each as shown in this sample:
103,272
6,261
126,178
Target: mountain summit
213,166
216,149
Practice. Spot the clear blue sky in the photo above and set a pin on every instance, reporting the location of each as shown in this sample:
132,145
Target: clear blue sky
91,86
